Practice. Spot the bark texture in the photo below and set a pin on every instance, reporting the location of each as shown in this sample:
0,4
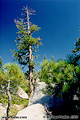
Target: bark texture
30,59
9,99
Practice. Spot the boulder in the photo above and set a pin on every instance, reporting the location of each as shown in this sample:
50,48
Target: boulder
33,112
2,110
38,93
22,93
39,97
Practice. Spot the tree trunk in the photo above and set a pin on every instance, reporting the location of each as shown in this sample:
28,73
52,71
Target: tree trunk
30,71
9,99
30,59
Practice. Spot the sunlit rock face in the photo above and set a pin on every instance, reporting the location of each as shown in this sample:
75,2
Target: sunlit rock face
22,93
39,97
2,110
33,112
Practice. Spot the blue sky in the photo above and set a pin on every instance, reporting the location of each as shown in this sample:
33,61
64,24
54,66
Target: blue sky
59,21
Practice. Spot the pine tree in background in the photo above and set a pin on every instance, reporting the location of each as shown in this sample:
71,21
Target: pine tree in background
44,57
77,45
26,44
74,57
0,62
76,51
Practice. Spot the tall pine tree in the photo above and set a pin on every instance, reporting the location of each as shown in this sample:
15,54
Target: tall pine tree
26,44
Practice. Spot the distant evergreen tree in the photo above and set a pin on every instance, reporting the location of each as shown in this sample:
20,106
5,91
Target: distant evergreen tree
76,51
75,57
44,57
26,44
1,63
77,47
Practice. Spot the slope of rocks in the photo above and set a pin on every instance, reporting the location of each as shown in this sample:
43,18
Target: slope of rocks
39,97
38,105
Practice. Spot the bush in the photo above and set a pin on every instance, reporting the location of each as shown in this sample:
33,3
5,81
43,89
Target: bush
65,76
